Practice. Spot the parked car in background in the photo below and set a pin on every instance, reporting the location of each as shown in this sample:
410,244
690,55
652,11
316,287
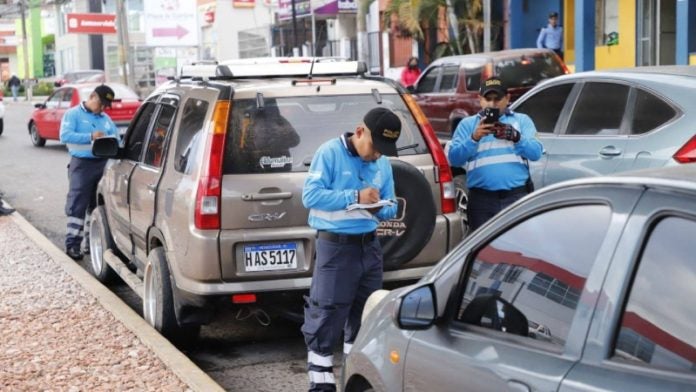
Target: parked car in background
203,201
45,120
603,122
448,89
581,286
87,75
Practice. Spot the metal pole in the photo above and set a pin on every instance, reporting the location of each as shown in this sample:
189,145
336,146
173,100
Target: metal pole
487,25
25,48
124,45
314,31
294,27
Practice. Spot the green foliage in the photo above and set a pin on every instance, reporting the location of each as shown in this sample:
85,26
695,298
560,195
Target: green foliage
42,88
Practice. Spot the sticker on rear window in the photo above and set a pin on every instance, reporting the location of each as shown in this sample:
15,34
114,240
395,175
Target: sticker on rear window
272,162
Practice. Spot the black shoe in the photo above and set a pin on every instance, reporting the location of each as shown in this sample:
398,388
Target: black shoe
74,253
5,210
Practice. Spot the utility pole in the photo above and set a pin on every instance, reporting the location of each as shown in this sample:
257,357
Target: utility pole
124,45
294,28
486,25
25,48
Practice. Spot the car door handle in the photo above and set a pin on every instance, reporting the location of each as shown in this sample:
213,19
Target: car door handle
266,196
610,151
518,386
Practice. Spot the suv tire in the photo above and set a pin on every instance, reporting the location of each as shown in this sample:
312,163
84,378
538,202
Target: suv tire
416,216
100,242
158,300
36,140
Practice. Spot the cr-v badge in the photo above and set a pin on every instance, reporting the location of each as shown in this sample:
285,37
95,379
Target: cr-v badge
268,217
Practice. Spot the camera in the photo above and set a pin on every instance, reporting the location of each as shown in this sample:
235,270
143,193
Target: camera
491,115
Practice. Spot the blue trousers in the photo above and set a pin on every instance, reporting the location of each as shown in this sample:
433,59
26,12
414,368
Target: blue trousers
483,206
84,175
345,274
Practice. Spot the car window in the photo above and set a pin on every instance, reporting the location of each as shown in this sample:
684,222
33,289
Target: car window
66,99
448,82
192,121
527,70
473,78
545,106
650,112
599,109
658,323
537,267
285,133
137,131
155,144
54,100
426,84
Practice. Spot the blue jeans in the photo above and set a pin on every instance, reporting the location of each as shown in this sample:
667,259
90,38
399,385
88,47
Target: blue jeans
15,90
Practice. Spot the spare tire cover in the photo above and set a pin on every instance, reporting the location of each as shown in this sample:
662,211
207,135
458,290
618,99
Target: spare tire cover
405,235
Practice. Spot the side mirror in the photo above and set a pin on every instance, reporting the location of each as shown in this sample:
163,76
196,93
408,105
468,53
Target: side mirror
417,308
411,89
105,147
40,105
496,313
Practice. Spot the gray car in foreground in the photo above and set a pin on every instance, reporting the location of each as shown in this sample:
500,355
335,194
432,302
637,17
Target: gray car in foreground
605,122
582,286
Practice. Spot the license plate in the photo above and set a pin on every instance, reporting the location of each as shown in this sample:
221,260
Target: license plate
270,257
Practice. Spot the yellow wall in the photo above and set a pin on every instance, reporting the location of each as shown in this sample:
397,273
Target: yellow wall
616,56
623,54
692,59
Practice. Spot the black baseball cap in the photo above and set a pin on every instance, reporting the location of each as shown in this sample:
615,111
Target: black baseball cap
106,95
385,128
553,15
493,84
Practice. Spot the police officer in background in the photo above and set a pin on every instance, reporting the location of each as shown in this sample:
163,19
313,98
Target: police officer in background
494,154
551,36
348,267
79,127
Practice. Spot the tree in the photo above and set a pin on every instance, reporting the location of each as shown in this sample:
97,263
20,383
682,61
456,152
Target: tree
414,18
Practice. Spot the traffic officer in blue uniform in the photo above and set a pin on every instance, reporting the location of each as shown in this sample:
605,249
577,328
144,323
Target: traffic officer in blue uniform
79,127
350,169
551,36
494,154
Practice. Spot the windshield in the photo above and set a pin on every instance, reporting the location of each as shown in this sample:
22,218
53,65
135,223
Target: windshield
528,70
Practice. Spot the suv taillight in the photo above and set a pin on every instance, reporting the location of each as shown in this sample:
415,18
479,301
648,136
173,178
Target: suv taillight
444,174
207,213
687,154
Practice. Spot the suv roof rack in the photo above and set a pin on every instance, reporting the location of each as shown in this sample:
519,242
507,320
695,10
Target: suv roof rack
274,67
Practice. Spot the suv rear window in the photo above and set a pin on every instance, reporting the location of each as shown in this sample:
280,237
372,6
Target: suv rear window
528,70
284,134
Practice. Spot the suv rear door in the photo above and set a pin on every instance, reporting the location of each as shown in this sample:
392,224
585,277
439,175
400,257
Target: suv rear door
117,177
146,174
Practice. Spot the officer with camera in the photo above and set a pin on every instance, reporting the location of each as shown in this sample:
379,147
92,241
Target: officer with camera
493,147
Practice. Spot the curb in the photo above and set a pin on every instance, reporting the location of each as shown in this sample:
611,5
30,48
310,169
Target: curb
177,362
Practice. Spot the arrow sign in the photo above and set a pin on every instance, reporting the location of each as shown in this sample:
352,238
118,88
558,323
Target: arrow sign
177,31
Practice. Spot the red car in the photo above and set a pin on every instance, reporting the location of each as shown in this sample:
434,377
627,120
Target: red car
45,121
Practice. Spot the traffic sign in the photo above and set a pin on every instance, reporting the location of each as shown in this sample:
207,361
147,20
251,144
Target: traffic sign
169,25
92,23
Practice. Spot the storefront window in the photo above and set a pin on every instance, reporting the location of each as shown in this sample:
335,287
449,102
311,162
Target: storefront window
607,22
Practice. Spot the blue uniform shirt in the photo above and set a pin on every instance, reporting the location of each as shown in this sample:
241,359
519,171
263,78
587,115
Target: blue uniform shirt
495,164
550,37
335,176
77,126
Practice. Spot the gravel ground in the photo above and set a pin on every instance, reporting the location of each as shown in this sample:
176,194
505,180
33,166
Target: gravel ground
56,336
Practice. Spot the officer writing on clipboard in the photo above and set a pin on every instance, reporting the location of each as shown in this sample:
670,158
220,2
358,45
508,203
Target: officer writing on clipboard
348,268
79,127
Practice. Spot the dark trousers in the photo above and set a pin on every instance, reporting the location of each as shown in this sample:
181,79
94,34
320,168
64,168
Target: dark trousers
83,175
483,205
345,274
559,52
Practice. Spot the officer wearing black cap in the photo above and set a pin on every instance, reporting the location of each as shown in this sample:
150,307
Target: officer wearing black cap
551,36
493,147
348,170
79,127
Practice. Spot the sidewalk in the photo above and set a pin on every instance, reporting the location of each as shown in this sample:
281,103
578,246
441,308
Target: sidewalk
63,331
